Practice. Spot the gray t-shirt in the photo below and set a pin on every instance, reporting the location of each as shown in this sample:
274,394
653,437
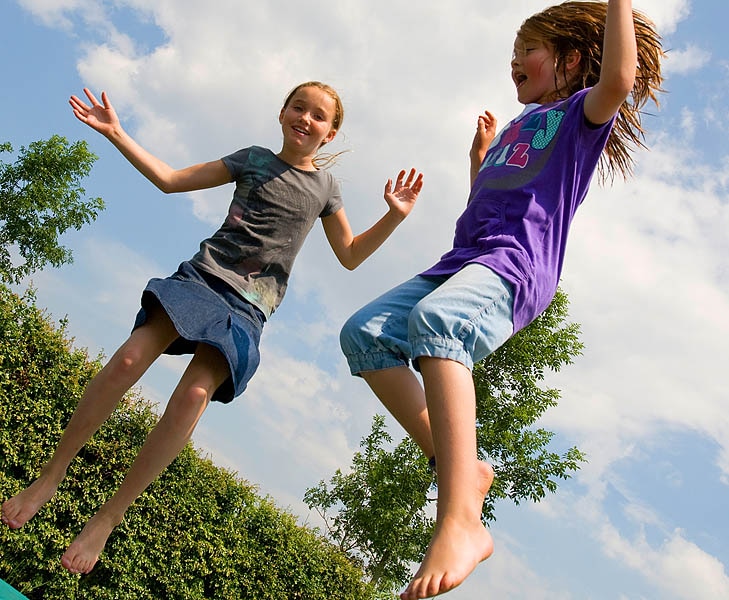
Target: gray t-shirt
274,207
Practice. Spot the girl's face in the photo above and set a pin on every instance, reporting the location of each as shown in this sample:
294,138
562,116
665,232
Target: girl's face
306,121
533,67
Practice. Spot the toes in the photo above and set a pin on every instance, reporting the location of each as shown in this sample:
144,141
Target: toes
424,588
77,564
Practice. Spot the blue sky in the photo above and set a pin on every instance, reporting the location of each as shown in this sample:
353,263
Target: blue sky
646,270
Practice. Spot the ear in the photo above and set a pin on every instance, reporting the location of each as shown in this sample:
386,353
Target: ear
280,116
572,60
329,137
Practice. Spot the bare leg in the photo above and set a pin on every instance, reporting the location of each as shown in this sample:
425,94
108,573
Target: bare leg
460,540
400,391
207,370
99,400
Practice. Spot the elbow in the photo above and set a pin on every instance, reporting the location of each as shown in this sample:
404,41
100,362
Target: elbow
350,265
348,257
167,182
350,261
166,186
614,91
621,83
625,84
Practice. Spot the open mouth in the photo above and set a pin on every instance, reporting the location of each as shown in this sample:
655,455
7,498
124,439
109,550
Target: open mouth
300,131
519,79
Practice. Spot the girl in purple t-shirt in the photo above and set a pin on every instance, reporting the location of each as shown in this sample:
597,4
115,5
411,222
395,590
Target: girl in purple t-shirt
574,66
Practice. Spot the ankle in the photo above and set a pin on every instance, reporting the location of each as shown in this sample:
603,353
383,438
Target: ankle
110,515
52,475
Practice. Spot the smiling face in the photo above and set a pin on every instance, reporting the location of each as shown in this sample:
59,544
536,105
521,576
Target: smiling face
533,71
540,74
307,121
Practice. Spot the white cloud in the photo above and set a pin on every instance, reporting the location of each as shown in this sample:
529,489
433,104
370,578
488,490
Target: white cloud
507,575
53,13
680,62
688,123
666,14
646,267
678,567
643,273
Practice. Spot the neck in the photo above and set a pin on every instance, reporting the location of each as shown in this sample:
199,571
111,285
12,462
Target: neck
300,161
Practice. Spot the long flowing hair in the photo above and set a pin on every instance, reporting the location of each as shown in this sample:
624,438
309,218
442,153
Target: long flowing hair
580,25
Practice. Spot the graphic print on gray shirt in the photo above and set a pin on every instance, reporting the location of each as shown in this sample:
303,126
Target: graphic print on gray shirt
274,207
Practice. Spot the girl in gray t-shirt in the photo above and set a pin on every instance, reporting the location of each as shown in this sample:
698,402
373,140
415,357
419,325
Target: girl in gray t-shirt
215,305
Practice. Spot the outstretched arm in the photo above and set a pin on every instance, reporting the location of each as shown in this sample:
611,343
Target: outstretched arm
619,64
352,250
485,134
102,117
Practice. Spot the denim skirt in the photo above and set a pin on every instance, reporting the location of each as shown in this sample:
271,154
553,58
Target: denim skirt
205,309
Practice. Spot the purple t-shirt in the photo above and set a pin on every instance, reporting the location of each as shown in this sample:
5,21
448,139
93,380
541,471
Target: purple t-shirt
534,176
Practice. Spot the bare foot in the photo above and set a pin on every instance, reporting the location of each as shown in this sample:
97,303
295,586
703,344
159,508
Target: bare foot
455,550
22,507
84,551
453,553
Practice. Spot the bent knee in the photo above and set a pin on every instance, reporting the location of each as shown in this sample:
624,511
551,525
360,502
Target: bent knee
196,395
423,321
127,362
188,401
352,330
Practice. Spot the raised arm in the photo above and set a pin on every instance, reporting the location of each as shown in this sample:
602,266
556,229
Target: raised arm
485,134
352,250
102,117
619,64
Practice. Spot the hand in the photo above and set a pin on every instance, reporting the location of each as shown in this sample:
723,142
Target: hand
485,134
402,199
98,116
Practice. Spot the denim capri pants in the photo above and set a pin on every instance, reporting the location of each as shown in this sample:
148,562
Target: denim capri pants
462,317
203,308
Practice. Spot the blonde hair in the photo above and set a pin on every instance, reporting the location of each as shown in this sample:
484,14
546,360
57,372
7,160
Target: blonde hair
580,26
323,160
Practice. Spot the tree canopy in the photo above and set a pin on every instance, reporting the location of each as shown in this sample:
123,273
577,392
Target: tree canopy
40,198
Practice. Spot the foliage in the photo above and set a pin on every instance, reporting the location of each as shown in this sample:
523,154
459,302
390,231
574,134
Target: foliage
41,198
381,519
378,512
197,533
510,400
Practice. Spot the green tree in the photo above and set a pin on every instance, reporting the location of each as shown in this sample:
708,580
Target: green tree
197,533
40,199
378,512
380,518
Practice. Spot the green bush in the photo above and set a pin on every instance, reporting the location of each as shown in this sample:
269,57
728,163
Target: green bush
198,532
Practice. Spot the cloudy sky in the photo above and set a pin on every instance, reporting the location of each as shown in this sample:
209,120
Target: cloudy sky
646,270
